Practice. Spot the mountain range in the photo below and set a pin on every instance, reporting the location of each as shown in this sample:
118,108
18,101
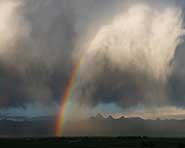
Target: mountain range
93,126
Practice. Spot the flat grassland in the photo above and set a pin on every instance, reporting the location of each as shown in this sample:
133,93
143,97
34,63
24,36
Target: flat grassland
96,142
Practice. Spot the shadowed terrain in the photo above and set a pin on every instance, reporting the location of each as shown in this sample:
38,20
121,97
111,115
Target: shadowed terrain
94,126
98,142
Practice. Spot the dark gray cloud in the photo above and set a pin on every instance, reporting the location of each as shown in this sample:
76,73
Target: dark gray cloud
124,88
37,59
37,66
177,79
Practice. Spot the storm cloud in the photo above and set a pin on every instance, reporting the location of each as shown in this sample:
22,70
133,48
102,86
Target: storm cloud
133,51
130,60
38,40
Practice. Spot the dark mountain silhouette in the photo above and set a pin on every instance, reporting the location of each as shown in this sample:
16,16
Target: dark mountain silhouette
94,126
100,126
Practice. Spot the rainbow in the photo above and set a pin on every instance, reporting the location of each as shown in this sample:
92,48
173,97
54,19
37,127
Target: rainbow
64,99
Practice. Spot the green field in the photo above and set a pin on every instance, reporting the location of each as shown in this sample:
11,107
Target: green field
97,142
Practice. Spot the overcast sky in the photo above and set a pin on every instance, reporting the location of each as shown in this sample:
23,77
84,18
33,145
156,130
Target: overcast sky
133,57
